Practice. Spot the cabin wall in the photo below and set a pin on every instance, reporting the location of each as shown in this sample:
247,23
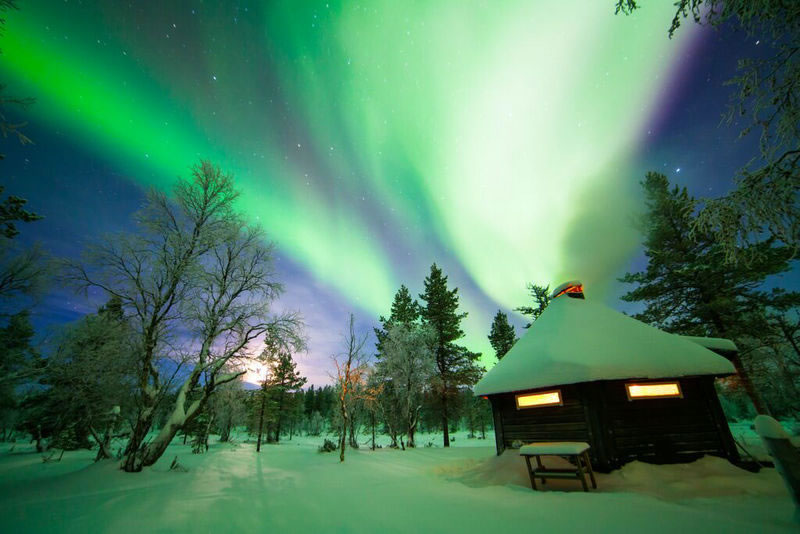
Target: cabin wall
663,430
620,430
548,423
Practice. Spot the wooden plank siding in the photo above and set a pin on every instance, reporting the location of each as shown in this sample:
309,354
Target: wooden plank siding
546,423
620,430
661,430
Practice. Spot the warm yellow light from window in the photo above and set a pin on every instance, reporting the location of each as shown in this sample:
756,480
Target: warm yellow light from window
548,398
640,391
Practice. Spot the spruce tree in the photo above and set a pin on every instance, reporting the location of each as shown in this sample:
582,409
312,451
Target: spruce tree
455,365
688,288
541,298
502,336
285,378
405,310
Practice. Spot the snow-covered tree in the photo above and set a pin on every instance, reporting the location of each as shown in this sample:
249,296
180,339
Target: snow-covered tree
229,407
765,199
85,379
197,283
407,367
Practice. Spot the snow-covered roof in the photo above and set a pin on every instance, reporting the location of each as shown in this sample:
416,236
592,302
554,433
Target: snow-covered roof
576,340
714,343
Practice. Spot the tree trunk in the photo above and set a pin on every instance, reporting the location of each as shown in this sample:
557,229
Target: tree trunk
208,431
353,433
132,462
343,437
372,414
390,428
789,335
38,439
445,425
104,443
261,417
736,360
280,417
749,387
225,435
413,420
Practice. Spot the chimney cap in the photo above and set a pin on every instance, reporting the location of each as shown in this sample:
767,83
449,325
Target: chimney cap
573,288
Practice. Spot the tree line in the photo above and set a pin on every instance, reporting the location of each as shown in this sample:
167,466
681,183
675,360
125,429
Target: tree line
188,299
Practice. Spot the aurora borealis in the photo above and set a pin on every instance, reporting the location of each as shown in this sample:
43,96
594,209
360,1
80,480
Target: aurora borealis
501,140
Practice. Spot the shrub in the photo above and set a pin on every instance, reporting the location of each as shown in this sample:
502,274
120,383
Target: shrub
328,446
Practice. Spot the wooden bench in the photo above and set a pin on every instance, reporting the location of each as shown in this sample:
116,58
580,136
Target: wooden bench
575,451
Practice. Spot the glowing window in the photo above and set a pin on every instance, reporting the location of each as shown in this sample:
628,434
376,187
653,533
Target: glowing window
662,390
535,400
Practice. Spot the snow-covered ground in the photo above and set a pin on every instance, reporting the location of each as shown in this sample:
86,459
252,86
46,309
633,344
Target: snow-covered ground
291,487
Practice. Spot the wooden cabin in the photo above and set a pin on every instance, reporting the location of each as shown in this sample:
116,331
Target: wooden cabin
585,372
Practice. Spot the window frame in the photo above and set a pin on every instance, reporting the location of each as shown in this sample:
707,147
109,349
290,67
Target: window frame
560,402
677,383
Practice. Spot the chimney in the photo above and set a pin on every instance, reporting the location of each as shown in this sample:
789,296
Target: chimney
573,289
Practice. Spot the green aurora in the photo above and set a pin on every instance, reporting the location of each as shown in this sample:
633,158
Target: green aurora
372,139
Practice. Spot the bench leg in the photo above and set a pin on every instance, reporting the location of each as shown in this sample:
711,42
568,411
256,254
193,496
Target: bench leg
530,472
540,466
588,462
581,474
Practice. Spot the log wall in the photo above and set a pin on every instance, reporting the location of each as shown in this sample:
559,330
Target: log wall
621,430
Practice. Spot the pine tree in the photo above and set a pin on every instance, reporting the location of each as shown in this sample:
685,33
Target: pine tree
455,365
285,378
688,287
502,336
765,200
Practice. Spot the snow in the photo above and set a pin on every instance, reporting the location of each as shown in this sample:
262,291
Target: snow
290,487
750,443
555,447
577,340
768,427
714,343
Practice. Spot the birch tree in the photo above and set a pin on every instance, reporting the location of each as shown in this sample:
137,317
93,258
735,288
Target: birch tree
408,363
197,282
351,372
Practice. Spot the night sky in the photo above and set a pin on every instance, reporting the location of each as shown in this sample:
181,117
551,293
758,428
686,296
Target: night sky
502,140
